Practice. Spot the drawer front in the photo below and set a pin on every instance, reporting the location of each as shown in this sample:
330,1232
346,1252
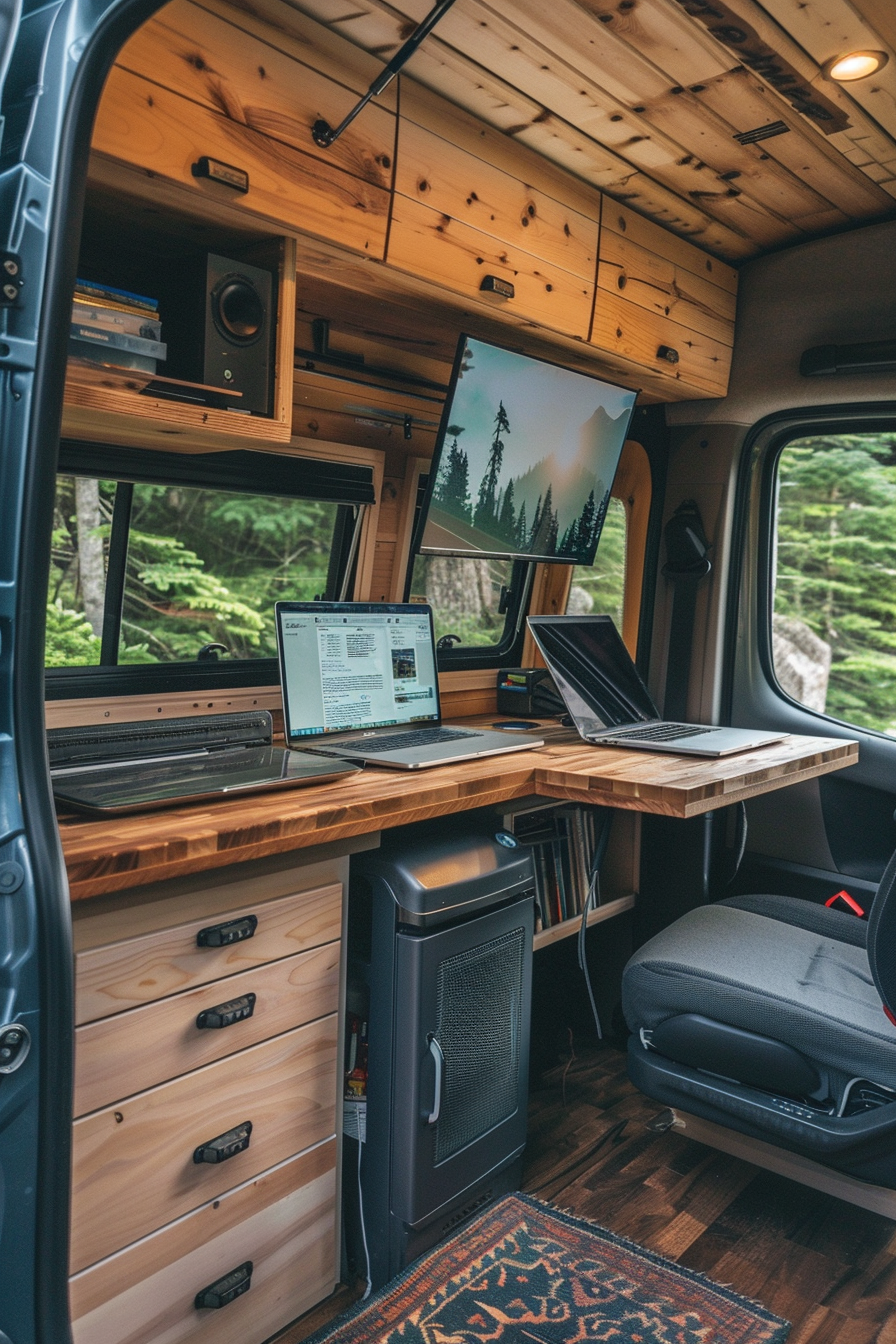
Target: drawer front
117,976
435,246
118,1056
623,328
284,1222
149,127
133,1169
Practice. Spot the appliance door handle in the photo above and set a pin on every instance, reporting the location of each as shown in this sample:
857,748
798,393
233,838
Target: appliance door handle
439,1060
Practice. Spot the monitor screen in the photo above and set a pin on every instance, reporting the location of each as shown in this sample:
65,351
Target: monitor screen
525,458
350,666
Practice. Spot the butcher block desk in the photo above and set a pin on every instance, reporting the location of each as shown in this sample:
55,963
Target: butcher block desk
110,855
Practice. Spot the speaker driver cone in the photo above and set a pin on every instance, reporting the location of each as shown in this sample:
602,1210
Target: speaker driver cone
237,310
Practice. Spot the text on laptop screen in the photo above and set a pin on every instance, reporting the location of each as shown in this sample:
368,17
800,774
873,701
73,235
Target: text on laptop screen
356,670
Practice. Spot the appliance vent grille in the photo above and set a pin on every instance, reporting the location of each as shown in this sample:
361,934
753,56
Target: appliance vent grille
478,1028
762,132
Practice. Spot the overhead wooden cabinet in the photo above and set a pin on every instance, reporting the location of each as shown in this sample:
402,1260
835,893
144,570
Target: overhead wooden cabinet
663,303
471,203
191,84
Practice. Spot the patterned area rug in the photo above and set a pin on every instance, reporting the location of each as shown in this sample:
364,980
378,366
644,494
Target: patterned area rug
525,1273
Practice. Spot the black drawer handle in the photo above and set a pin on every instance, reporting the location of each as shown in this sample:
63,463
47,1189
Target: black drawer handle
225,1014
223,1291
225,173
231,931
225,1145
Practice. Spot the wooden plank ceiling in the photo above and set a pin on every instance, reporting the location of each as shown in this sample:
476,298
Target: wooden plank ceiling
646,99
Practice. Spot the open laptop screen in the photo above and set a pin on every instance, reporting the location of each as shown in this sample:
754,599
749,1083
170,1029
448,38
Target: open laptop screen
350,666
587,653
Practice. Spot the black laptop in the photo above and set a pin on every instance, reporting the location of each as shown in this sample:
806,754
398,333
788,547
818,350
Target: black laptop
359,681
609,703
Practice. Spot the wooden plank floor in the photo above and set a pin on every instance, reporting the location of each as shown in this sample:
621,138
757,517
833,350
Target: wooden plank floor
827,1267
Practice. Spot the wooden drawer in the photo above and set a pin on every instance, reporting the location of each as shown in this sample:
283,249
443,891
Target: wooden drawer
124,974
118,1056
149,127
435,246
132,1165
284,1222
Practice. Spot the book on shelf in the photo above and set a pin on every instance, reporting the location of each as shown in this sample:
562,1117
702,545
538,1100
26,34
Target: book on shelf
562,840
95,314
112,339
111,296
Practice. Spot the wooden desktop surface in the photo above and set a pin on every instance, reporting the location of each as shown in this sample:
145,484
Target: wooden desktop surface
121,852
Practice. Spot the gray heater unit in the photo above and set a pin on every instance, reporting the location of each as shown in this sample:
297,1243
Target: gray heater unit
440,964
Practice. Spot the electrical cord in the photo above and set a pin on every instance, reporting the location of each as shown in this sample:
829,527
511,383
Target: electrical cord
592,901
367,1290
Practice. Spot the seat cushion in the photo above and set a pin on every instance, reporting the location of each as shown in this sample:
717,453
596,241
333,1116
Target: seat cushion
779,980
830,923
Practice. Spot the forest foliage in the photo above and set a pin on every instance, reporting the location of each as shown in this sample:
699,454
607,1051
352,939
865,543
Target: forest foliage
836,565
203,566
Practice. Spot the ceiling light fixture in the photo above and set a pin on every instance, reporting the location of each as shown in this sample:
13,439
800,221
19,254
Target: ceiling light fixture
854,65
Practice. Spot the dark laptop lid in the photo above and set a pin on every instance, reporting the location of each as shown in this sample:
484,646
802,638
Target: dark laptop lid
351,667
593,671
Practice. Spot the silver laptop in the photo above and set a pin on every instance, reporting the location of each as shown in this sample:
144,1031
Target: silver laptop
359,681
609,703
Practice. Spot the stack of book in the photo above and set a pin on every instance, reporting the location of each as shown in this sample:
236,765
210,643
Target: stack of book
114,326
562,840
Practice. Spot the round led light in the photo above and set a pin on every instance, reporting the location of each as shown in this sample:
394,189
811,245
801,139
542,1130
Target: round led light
855,65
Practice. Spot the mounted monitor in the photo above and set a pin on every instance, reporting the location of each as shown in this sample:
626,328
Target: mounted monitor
525,458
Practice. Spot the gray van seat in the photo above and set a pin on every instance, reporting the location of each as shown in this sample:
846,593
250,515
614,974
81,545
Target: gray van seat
791,984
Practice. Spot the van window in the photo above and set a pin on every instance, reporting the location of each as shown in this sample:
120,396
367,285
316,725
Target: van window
193,567
834,576
600,587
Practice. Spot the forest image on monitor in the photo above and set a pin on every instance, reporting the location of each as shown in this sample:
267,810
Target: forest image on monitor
527,459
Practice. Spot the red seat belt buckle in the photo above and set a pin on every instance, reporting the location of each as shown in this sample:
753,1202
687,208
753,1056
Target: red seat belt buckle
847,900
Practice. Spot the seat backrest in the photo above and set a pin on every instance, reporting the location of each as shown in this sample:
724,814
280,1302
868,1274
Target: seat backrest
882,939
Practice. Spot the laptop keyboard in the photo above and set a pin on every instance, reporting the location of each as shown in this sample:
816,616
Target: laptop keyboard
661,732
424,737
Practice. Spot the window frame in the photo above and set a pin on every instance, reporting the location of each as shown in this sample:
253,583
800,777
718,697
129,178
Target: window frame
239,472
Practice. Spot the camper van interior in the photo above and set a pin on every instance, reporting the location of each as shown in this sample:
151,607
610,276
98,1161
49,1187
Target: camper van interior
493,310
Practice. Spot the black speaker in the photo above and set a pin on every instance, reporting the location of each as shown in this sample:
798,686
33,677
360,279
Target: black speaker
238,343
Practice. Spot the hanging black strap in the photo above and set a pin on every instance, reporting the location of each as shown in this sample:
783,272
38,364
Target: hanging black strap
687,564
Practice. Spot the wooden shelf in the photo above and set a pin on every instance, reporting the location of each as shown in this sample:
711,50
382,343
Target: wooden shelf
569,927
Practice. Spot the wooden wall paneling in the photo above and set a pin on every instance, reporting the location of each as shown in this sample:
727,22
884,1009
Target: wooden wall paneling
862,141
578,94
745,101
162,133
132,1051
639,87
634,487
285,1086
415,467
386,538
830,28
349,410
216,63
136,708
465,693
281,1219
